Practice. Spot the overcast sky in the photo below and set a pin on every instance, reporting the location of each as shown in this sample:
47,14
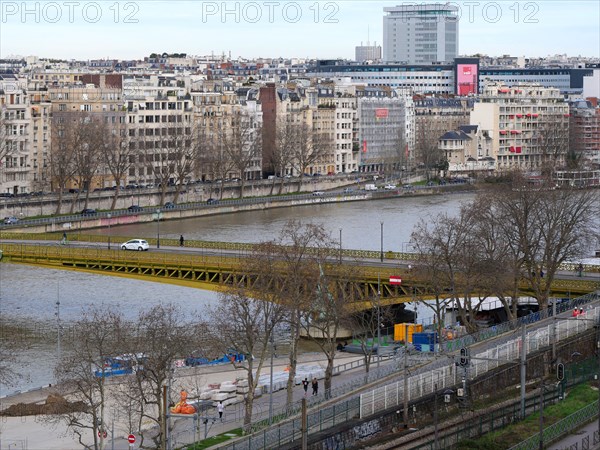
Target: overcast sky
76,29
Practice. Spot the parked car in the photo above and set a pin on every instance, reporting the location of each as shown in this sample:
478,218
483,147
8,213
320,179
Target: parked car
318,193
88,212
212,201
135,244
348,190
390,187
169,205
10,220
135,208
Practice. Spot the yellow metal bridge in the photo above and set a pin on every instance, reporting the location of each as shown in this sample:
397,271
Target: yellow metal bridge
216,268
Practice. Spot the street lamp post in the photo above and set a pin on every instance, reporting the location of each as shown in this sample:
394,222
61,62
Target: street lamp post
109,216
158,228
381,254
271,382
340,245
378,319
58,343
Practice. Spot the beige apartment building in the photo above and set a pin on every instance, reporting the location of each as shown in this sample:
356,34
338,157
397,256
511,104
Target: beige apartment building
16,172
224,116
528,125
72,104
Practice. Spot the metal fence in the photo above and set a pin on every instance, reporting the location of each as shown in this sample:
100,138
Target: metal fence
560,428
506,327
290,431
485,423
447,375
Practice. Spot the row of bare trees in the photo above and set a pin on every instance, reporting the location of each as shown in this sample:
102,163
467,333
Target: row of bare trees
510,235
291,282
86,147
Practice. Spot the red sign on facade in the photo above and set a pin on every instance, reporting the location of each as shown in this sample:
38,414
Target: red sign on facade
381,113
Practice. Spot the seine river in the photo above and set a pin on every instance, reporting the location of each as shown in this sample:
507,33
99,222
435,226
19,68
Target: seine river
29,295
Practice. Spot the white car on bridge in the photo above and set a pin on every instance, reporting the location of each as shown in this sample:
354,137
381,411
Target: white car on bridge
135,244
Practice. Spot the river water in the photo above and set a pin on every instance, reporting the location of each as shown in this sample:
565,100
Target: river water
29,295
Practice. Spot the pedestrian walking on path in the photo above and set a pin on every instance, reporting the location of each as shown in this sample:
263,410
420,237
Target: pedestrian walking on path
220,409
315,386
64,239
580,270
305,386
181,240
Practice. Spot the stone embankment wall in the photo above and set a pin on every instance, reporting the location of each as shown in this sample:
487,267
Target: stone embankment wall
45,205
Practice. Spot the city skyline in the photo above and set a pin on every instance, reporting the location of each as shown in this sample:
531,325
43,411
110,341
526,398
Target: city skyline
303,29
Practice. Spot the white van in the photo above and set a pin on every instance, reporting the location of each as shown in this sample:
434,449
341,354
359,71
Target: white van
370,187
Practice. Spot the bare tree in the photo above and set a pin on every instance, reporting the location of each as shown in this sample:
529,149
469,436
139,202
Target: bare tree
246,324
552,137
13,341
426,146
282,154
162,335
328,312
88,143
300,248
159,154
498,268
365,326
310,147
217,162
184,156
551,226
62,165
242,143
81,373
118,155
449,240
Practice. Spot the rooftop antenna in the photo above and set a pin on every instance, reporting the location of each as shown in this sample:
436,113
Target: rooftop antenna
368,36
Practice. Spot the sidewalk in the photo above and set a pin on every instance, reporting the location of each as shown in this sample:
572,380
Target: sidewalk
575,438
35,433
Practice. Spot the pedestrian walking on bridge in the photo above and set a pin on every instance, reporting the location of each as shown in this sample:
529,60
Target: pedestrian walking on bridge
181,240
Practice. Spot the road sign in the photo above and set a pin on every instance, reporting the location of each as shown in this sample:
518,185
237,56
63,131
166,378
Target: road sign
395,280
102,434
131,439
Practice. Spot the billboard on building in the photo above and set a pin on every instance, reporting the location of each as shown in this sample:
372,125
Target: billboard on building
466,76
381,113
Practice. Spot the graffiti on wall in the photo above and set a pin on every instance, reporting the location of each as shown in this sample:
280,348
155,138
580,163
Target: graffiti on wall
367,429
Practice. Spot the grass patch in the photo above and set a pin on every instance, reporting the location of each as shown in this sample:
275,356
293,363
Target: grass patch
577,398
214,440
